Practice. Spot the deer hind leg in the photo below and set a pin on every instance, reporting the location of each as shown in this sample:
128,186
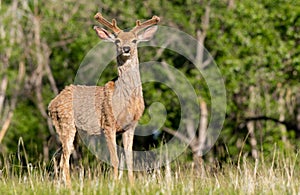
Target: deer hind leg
112,147
127,143
67,135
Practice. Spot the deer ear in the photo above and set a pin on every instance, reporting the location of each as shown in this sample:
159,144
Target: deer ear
104,34
147,34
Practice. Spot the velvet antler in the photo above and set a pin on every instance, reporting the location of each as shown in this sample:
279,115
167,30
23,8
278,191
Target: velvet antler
139,26
111,25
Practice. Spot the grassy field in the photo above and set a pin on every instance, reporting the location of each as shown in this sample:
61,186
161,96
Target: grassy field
279,174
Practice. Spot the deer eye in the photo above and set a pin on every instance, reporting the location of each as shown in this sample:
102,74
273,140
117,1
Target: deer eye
117,41
134,41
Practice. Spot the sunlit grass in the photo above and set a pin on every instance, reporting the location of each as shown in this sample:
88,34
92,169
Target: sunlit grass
277,174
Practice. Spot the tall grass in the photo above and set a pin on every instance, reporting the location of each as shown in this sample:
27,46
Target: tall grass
278,173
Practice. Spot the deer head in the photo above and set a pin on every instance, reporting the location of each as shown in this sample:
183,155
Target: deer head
126,41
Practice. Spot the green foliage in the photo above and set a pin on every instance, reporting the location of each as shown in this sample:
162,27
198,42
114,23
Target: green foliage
28,126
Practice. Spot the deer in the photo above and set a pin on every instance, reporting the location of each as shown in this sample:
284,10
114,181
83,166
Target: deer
119,104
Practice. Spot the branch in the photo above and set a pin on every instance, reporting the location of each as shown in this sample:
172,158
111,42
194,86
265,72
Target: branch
177,134
162,48
288,124
266,118
6,125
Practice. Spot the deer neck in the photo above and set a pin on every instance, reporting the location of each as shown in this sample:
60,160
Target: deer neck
128,96
128,83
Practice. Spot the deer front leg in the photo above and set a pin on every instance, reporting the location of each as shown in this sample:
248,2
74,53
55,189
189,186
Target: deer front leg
112,147
128,142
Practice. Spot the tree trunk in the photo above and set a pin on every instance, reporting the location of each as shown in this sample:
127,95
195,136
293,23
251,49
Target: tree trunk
13,101
4,81
251,124
298,112
199,165
201,63
202,131
230,4
281,111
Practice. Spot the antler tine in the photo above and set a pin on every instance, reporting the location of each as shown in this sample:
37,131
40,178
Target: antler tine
111,25
154,20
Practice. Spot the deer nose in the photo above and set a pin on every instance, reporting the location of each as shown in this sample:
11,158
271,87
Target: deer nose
126,49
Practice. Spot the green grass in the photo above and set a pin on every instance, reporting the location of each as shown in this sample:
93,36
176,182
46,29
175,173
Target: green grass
279,174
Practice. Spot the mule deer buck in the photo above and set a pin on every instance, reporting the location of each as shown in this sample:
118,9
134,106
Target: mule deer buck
118,105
